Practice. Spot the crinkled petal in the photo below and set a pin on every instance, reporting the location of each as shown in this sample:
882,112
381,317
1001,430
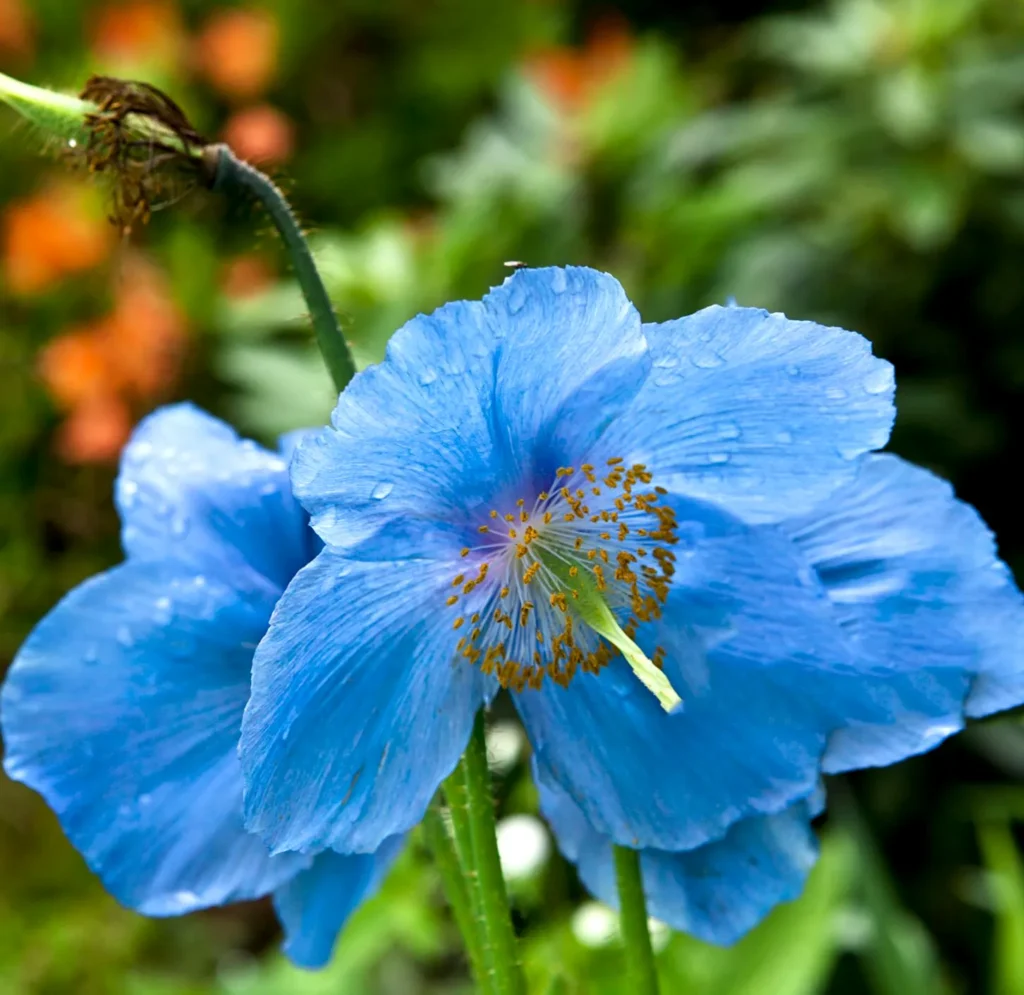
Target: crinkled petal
123,710
744,626
573,355
472,400
717,892
191,490
754,412
315,905
359,709
924,600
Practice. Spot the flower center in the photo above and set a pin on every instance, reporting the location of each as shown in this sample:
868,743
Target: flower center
560,585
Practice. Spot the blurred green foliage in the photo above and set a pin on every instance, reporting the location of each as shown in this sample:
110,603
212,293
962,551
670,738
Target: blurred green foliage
858,162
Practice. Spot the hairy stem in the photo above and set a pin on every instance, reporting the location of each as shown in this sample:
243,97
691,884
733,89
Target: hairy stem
643,978
232,174
456,889
501,951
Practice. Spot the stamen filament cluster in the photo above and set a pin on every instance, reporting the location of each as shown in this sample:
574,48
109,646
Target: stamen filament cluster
527,593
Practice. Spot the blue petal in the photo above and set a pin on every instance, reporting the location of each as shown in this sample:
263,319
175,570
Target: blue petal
314,906
745,627
921,595
123,710
357,711
190,489
471,401
573,355
716,892
754,412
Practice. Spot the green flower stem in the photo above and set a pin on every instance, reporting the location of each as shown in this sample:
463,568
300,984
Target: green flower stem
456,889
458,809
500,949
643,978
232,174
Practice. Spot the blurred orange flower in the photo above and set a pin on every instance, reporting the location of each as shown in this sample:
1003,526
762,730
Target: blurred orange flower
261,134
95,432
237,52
16,34
138,33
246,276
50,235
569,77
99,371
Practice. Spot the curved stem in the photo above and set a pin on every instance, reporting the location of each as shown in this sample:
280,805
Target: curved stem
231,172
643,977
501,951
455,889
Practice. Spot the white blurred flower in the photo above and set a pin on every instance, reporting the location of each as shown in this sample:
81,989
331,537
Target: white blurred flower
523,846
505,742
595,925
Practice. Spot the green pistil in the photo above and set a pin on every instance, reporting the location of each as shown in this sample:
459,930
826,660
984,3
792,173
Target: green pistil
590,605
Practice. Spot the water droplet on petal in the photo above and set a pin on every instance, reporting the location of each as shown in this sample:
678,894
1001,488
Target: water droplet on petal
516,296
125,637
792,370
427,376
558,281
879,380
718,457
382,490
836,394
179,525
164,612
729,430
706,359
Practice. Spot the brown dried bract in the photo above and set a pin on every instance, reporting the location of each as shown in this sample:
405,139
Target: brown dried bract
144,170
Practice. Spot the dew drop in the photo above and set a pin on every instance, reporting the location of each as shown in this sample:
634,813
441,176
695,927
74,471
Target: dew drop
729,430
792,370
879,380
836,394
706,359
718,457
128,492
179,526
382,490
427,376
558,281
163,611
124,636
516,296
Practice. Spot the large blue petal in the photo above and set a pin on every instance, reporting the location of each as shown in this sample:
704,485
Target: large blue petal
716,892
744,627
477,399
123,710
572,356
757,413
924,600
359,709
191,490
314,906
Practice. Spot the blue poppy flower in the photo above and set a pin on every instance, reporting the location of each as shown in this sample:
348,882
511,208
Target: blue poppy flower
124,706
936,621
539,492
